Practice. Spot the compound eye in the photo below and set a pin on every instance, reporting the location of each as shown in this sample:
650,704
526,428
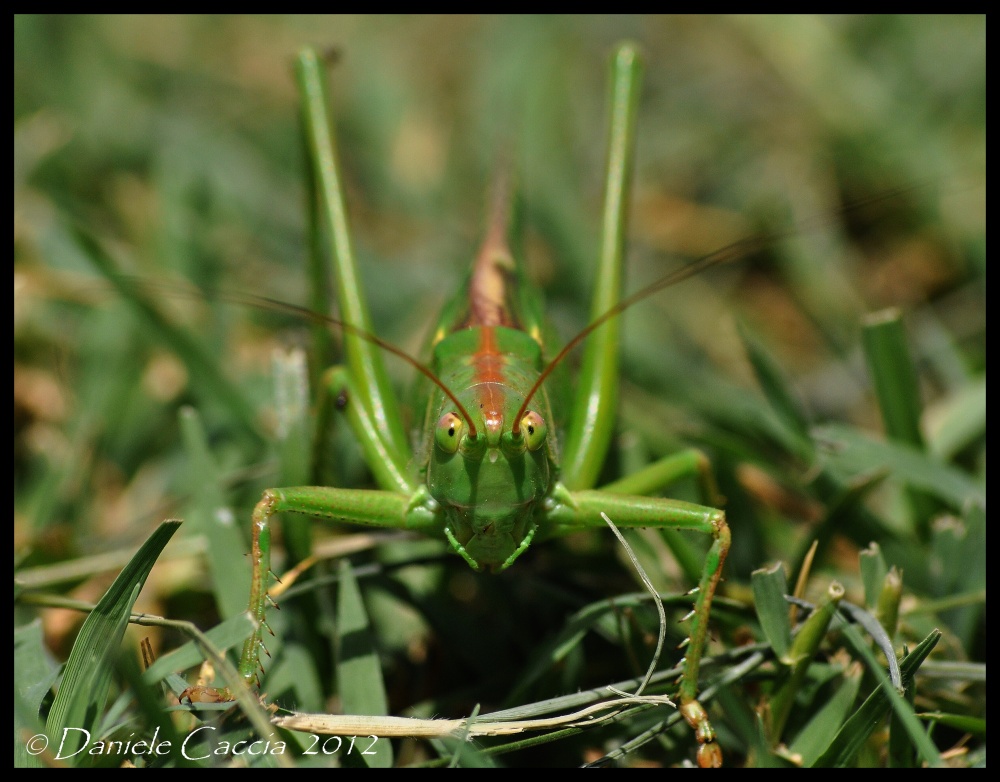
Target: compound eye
449,432
534,429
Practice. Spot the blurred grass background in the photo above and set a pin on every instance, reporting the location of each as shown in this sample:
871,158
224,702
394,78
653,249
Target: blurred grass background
174,140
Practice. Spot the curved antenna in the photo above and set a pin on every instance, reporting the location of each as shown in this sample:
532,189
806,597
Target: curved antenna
728,254
266,302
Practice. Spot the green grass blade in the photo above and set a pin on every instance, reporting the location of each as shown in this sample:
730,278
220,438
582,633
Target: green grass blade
903,715
775,387
959,421
950,669
955,540
26,726
359,670
873,570
82,693
212,516
962,722
889,600
874,628
34,674
815,736
769,589
901,752
802,652
894,376
898,393
294,434
858,728
34,669
854,452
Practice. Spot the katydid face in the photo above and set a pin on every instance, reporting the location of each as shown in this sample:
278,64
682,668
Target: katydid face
490,484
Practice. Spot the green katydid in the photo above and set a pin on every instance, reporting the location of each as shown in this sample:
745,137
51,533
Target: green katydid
473,650
492,477
490,473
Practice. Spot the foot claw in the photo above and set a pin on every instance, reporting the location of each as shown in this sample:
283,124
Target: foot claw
200,694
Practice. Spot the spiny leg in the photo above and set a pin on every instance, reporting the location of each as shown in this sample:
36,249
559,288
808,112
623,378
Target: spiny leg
394,509
656,478
359,506
403,508
581,510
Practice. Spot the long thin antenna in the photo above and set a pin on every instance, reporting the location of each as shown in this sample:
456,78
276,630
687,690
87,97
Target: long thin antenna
728,254
266,302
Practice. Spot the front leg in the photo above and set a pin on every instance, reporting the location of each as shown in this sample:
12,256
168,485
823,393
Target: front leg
388,510
571,511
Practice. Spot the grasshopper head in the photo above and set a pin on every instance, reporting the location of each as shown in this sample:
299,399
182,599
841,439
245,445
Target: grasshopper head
490,484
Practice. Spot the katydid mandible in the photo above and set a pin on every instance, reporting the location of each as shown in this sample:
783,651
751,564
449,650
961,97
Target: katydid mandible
492,477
